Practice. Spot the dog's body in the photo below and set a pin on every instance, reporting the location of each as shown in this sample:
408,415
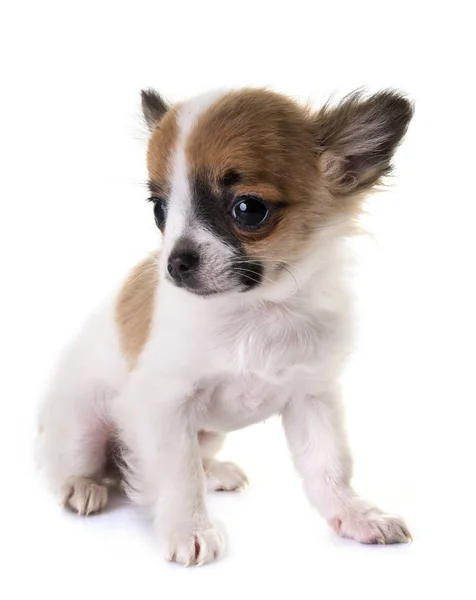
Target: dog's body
232,328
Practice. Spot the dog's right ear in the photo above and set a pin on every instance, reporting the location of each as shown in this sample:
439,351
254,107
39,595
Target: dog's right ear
154,107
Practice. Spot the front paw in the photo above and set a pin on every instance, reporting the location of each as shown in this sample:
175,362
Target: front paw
84,496
371,526
195,548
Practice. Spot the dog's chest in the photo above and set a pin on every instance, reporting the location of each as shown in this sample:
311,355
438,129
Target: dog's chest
261,362
270,341
235,402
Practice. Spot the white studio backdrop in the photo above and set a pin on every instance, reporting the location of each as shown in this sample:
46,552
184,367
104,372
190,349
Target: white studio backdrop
73,219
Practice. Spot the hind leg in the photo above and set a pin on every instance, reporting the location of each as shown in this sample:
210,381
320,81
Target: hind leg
72,441
220,476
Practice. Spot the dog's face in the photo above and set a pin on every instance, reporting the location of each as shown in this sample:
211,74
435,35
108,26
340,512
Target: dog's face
242,182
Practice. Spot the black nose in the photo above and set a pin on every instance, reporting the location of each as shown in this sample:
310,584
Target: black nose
182,265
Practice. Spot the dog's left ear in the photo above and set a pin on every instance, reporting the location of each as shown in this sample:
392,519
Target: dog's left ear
357,139
154,107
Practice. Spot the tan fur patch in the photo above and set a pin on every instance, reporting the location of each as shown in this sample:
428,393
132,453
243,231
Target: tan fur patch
270,141
264,136
135,308
162,143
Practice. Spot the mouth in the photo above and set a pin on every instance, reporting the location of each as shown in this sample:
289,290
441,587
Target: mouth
250,274
242,283
198,289
238,277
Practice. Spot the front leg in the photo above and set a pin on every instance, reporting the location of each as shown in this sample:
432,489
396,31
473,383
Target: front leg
158,426
316,436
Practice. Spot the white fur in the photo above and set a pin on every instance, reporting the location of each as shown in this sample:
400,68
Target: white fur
180,215
215,364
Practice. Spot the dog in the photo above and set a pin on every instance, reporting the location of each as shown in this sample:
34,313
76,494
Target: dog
244,313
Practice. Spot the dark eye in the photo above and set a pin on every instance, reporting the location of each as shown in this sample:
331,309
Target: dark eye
159,211
249,211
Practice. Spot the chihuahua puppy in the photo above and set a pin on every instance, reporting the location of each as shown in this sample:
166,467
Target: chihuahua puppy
243,314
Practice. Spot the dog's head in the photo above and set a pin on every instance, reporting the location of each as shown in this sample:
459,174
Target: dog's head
243,182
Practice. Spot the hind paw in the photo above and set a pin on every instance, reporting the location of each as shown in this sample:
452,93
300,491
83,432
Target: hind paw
224,476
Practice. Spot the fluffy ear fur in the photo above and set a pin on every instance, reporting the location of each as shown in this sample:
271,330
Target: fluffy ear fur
154,107
357,139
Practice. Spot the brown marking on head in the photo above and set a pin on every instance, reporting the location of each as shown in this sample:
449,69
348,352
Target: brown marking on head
135,308
161,120
267,140
160,151
262,136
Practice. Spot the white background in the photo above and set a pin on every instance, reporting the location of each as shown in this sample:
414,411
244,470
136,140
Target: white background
73,219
